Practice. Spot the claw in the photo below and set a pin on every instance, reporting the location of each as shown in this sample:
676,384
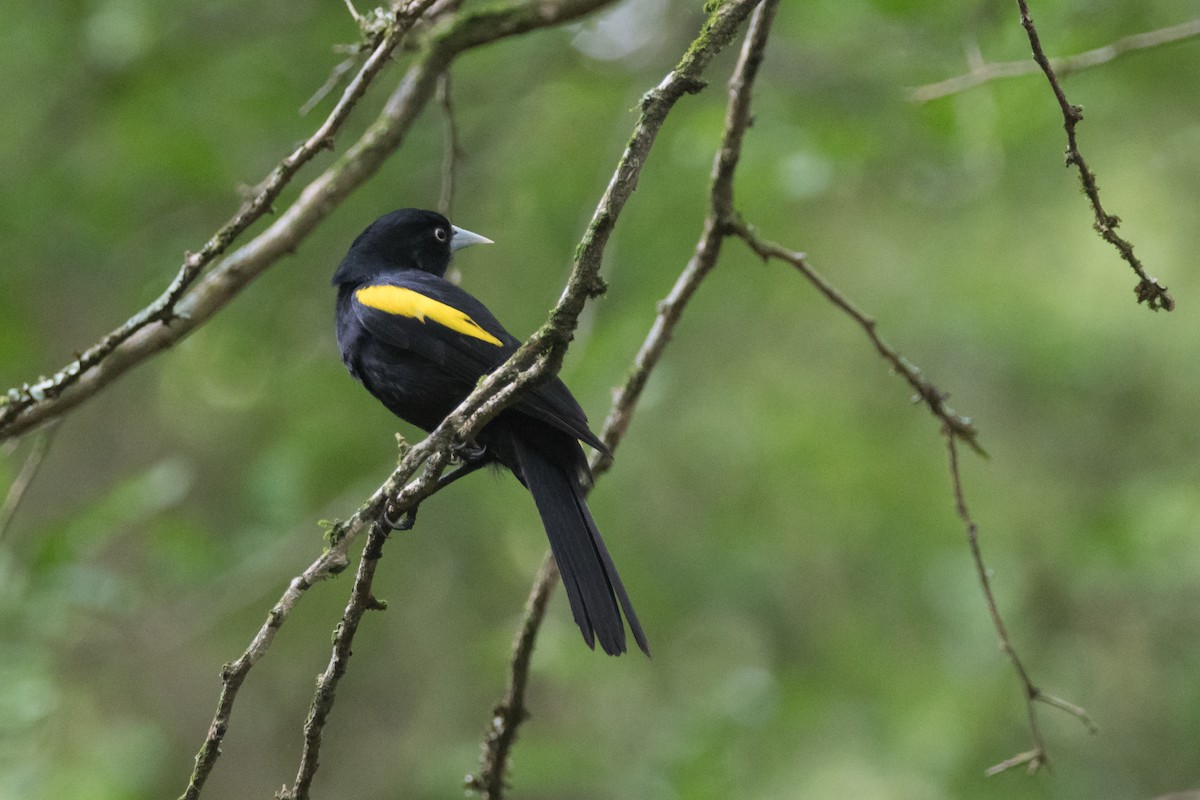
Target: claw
466,452
402,523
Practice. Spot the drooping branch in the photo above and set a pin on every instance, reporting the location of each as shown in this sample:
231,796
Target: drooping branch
148,332
954,428
501,731
1035,758
1148,289
982,72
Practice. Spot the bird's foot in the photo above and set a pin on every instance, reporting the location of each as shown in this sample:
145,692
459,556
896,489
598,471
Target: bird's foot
467,452
389,520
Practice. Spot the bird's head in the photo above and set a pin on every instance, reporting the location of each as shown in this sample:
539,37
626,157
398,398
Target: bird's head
406,239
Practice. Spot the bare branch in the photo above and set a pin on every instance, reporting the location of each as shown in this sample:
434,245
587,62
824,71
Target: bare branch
451,149
984,72
506,719
330,563
139,339
1036,757
361,601
501,732
934,399
24,477
955,428
1148,289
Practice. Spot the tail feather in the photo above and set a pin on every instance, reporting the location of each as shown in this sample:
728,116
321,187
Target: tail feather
610,569
594,589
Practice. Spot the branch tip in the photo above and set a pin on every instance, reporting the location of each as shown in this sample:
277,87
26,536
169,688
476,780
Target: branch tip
1105,223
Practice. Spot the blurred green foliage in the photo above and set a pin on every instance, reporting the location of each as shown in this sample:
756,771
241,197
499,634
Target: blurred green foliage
780,512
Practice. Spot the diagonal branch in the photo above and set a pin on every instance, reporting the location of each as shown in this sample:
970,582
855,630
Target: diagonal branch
985,72
502,728
955,428
361,601
146,334
163,310
1148,290
929,394
723,221
24,478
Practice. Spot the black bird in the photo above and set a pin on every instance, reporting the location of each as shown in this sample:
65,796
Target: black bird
420,344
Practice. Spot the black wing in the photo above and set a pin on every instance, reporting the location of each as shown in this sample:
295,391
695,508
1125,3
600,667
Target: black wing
431,317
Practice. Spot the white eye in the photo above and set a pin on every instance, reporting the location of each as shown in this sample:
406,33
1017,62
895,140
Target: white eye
441,234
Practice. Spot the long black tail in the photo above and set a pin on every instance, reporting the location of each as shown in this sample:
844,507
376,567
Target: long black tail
593,586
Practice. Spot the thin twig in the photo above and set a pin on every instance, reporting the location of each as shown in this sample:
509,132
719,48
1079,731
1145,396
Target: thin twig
1035,758
501,732
324,90
1148,290
933,398
361,601
984,72
451,150
24,478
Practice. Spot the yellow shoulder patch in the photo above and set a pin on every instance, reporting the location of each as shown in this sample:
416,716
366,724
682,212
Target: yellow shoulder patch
408,303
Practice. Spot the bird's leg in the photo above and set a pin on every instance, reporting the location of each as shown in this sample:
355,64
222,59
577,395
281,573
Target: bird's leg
472,460
472,457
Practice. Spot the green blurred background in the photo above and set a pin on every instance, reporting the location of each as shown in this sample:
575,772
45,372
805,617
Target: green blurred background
780,511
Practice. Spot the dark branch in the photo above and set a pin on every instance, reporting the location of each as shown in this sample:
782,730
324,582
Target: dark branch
361,601
933,398
1148,289
501,732
451,149
1036,757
